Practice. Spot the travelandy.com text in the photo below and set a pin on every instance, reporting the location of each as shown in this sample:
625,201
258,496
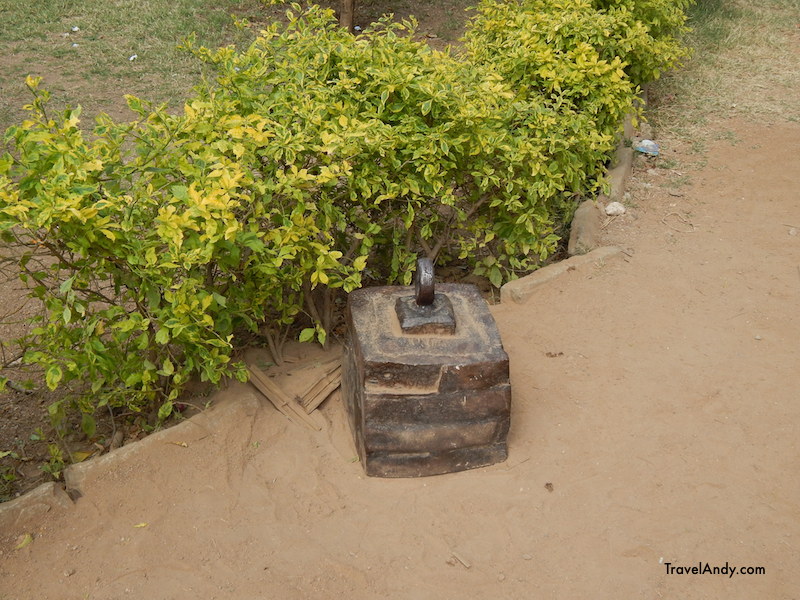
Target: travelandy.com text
702,568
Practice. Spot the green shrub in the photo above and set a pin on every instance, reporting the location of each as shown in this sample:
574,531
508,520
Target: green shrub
150,247
575,48
315,159
409,149
646,34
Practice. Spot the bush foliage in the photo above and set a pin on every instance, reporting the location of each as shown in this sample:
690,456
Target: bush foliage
315,160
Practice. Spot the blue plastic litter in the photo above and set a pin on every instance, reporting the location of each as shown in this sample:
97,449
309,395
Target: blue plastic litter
648,147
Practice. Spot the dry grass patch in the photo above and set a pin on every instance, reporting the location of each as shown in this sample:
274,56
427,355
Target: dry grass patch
746,62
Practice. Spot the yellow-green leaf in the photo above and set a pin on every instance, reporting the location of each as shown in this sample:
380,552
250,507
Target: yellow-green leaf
81,456
24,540
167,368
162,336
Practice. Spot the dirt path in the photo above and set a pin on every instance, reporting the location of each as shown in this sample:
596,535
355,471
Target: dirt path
655,420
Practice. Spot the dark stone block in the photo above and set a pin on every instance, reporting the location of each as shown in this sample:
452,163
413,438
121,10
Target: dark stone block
438,408
439,402
433,437
474,376
423,464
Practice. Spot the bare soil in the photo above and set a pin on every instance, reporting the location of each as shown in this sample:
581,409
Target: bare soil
654,422
654,425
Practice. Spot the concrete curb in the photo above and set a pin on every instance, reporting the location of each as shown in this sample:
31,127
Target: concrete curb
584,237
76,476
32,506
620,172
520,290
29,508
584,233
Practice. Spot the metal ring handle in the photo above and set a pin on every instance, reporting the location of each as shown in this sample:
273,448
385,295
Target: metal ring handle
423,282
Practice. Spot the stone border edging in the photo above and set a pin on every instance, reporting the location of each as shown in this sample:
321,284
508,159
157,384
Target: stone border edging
584,235
584,239
519,290
33,505
585,229
76,475
20,513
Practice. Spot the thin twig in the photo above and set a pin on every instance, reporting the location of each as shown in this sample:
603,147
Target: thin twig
13,312
194,406
311,305
476,206
327,311
273,350
608,222
351,251
461,559
425,247
444,238
113,423
11,361
682,219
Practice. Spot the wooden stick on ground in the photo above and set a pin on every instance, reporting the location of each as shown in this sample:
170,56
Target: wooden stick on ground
286,405
323,388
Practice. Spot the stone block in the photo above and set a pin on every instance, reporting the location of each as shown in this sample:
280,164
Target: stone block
584,235
425,404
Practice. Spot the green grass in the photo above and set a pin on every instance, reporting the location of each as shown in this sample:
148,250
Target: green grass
120,22
711,21
93,66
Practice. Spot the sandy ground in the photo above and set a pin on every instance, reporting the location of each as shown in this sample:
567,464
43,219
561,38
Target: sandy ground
654,422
